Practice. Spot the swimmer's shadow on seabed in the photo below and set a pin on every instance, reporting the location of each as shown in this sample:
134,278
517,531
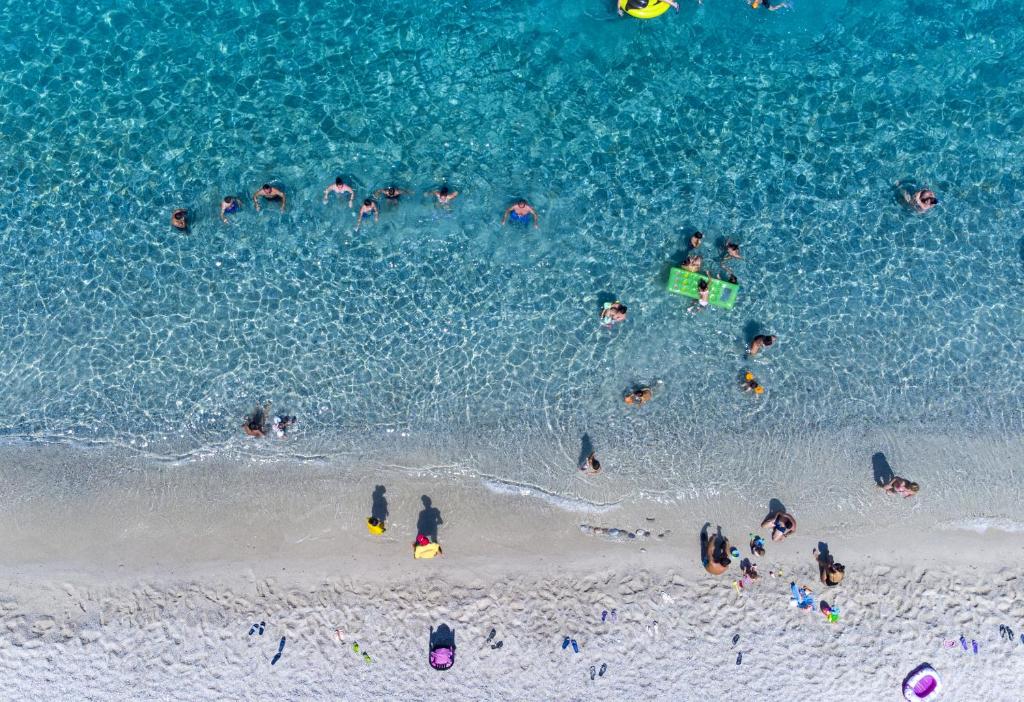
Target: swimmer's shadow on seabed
881,469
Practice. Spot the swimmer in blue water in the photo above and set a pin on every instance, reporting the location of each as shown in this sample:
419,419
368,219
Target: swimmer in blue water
268,192
229,205
641,4
444,195
696,239
520,212
179,219
769,5
340,187
391,194
613,313
368,208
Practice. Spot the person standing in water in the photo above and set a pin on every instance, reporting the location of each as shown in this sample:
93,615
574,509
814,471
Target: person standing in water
444,195
591,466
391,194
340,187
520,212
270,193
696,240
368,208
229,205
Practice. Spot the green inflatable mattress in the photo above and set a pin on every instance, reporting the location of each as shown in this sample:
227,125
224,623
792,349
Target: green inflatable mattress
723,293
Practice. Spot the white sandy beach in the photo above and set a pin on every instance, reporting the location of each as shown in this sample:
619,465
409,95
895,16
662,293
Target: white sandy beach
145,593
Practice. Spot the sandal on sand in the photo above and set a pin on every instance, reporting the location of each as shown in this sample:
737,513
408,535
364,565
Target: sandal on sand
1002,631
593,672
490,636
963,642
366,657
948,643
604,669
565,643
575,646
355,647
495,647
604,614
615,615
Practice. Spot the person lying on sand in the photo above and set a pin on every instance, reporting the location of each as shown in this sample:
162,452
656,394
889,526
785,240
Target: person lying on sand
715,559
782,525
901,486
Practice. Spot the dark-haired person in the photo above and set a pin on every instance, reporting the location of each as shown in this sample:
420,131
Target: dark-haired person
520,212
179,219
444,195
340,187
760,343
269,193
391,194
369,207
922,200
229,205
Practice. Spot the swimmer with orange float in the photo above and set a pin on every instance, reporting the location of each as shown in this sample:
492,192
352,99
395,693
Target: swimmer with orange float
750,384
769,5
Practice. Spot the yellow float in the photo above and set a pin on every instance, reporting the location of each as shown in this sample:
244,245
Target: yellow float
654,8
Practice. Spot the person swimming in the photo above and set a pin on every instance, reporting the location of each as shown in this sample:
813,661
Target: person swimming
255,423
613,313
391,194
922,200
229,205
520,212
750,384
732,250
760,343
280,426
270,193
369,207
179,219
639,397
643,4
696,240
443,194
768,5
340,187
693,263
703,296
591,466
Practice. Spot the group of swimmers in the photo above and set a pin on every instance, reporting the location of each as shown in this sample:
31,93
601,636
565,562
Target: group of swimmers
519,212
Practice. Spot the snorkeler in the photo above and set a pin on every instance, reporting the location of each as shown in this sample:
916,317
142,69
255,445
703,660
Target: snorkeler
179,219
340,187
768,5
704,295
520,212
750,384
613,313
641,4
229,205
368,207
268,192
591,466
443,194
760,343
696,239
391,194
639,396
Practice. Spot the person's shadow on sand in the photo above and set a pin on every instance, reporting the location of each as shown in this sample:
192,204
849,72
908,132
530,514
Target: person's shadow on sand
882,470
442,637
775,506
379,508
429,520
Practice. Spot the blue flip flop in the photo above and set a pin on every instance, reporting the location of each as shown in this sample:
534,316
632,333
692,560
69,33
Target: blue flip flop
575,647
565,644
280,650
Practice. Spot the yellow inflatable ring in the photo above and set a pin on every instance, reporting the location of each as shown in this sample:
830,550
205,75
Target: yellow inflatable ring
655,9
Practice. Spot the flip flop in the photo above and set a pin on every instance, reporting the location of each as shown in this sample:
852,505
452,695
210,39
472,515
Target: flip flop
604,669
355,647
575,646
963,642
490,637
739,658
593,672
974,645
262,624
948,643
366,657
498,645
1009,634
1002,631
280,650
735,639
252,630
615,615
604,614
1022,639
565,643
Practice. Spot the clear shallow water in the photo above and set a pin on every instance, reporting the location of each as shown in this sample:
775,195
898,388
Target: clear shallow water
442,339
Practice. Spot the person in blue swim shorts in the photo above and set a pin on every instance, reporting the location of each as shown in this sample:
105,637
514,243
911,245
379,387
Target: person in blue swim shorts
520,212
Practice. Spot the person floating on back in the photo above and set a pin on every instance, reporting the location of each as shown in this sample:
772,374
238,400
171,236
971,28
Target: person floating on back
271,194
750,384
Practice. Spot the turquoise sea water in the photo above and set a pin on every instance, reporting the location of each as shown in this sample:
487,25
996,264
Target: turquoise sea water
440,337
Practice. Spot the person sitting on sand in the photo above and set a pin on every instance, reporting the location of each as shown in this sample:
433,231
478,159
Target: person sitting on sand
692,263
901,486
782,525
716,560
340,187
423,547
613,314
756,545
255,424
520,212
591,466
375,526
270,193
179,219
830,572
760,343
639,396
696,239
444,195
229,205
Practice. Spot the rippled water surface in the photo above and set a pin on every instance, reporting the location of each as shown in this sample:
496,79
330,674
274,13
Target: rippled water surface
439,336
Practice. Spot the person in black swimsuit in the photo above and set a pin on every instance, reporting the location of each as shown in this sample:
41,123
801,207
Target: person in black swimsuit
391,194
